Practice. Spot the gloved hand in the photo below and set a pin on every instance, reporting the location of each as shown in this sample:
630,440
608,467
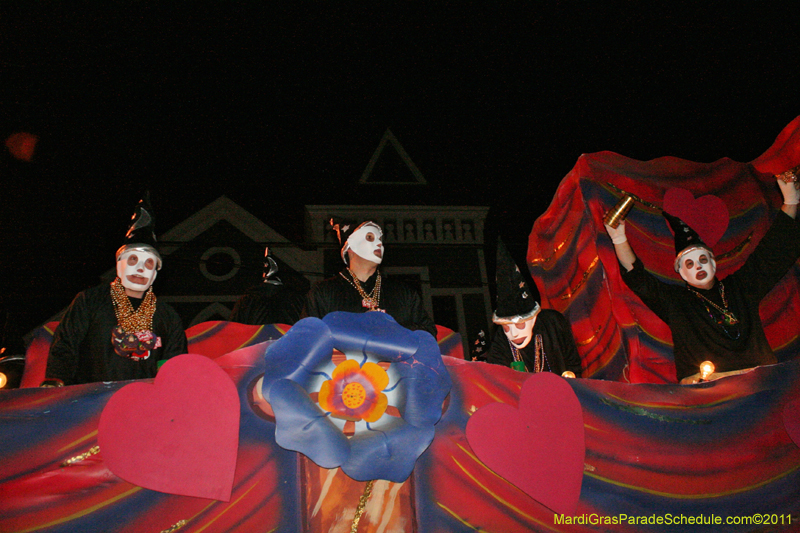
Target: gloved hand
790,191
617,234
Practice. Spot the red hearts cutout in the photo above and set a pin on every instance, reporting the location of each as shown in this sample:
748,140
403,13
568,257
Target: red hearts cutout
707,215
540,446
791,420
179,434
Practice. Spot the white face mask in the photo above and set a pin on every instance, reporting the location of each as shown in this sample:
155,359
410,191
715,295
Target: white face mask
520,333
137,270
698,268
366,242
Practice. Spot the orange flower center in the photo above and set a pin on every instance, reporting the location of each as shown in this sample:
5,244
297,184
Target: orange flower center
354,395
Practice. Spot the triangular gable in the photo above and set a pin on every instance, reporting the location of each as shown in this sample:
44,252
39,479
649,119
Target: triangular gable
388,136
223,208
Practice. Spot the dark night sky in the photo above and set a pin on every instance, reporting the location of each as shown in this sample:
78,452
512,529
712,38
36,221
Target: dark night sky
278,107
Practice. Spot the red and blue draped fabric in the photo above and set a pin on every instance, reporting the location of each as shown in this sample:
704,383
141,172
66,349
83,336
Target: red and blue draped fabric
40,429
718,448
449,342
217,338
667,451
576,270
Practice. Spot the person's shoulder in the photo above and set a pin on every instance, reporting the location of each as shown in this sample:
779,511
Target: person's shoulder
261,291
552,318
397,284
166,307
550,314
93,295
167,310
326,283
100,289
89,301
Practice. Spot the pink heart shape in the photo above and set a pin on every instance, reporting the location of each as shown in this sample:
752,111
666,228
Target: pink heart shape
791,420
540,446
179,434
707,215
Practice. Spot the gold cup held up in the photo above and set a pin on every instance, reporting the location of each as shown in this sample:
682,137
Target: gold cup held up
790,175
620,211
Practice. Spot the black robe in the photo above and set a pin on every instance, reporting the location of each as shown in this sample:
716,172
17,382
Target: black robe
696,334
82,351
558,344
399,300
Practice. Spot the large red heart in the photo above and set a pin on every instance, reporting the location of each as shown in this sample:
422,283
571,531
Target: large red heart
791,420
179,434
540,446
707,215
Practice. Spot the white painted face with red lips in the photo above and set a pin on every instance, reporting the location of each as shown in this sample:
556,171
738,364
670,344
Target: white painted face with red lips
698,268
137,269
367,243
520,334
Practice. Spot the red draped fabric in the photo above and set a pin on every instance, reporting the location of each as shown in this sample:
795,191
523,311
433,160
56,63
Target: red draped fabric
576,270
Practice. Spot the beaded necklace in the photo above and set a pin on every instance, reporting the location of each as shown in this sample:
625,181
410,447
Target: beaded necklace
133,321
726,318
372,300
727,315
539,358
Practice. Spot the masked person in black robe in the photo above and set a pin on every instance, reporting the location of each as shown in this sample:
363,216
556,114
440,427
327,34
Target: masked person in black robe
528,338
119,331
714,319
271,302
360,286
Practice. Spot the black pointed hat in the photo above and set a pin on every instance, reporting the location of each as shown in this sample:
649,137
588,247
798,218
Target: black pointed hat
141,232
270,269
685,237
517,300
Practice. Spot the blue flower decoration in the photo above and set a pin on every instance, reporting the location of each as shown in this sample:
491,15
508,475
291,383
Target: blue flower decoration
387,448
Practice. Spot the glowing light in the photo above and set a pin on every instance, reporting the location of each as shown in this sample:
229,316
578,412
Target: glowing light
568,374
22,145
706,369
3,380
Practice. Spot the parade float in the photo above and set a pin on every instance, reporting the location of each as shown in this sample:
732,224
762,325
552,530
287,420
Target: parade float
353,423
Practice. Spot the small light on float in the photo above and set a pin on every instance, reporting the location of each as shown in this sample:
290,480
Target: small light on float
706,369
568,374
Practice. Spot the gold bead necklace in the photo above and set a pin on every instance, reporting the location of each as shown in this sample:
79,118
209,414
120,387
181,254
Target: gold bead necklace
372,300
133,321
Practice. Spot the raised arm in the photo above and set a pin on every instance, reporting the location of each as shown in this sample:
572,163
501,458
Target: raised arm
622,247
790,192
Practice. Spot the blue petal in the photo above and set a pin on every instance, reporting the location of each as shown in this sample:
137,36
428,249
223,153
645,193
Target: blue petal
390,456
305,347
427,385
301,426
